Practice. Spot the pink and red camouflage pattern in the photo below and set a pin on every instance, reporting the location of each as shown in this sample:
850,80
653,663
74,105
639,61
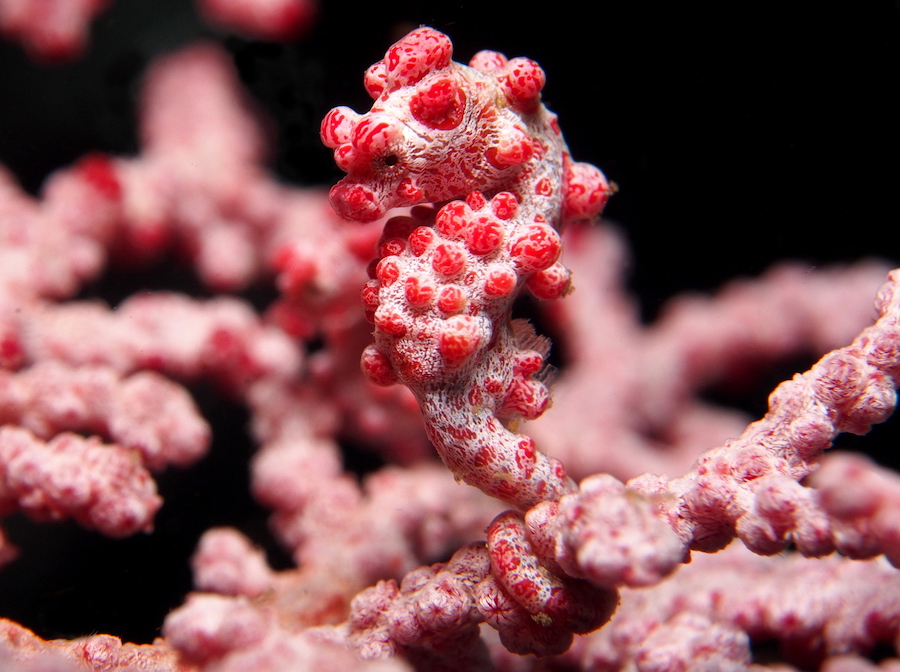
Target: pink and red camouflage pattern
345,535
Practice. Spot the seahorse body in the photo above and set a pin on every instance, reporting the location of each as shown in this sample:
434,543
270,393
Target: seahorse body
444,283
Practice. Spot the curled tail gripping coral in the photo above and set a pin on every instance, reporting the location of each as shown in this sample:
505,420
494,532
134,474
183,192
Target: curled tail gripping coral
477,143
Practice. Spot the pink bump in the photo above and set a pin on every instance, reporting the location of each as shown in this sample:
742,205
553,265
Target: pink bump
513,147
376,133
459,339
449,259
504,205
587,191
390,321
337,126
420,52
439,104
553,282
355,202
451,299
452,220
500,281
375,79
484,235
476,200
377,367
536,248
421,239
419,290
370,295
388,270
523,82
488,62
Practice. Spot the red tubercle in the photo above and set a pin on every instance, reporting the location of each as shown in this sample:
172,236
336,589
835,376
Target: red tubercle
375,80
392,247
535,248
449,259
500,281
527,362
419,290
439,104
505,205
354,201
451,299
459,339
488,62
409,192
346,157
553,282
420,52
337,126
527,398
369,295
377,367
476,200
421,239
484,234
586,191
376,133
522,83
388,270
513,147
390,321
452,220
543,187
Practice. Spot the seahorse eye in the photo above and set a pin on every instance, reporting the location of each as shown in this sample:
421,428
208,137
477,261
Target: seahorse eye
391,160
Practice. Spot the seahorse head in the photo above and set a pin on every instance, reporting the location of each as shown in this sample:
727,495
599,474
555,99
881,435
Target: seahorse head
437,129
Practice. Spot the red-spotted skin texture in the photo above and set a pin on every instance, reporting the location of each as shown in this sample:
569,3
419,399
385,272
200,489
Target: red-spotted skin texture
439,130
478,140
440,303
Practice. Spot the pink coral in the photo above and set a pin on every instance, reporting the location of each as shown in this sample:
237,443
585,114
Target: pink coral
57,30
50,30
267,20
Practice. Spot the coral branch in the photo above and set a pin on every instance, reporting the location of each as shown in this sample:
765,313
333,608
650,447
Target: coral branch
863,504
748,487
144,412
103,487
23,651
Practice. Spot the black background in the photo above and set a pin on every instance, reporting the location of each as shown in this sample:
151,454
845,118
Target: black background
738,133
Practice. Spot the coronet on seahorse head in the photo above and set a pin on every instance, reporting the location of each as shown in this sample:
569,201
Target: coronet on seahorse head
438,129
